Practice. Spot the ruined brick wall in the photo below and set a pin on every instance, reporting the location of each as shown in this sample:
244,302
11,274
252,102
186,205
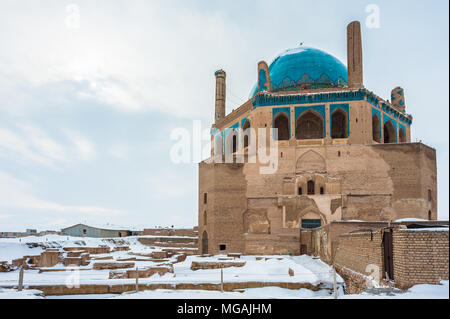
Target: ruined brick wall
358,256
326,239
420,256
169,232
355,283
361,252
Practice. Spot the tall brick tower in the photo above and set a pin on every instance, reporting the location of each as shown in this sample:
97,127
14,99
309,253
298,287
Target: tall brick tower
354,55
220,94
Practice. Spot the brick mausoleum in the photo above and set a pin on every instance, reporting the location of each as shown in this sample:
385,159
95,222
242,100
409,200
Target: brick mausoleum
344,154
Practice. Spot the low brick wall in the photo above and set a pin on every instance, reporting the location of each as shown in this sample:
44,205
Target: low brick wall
215,265
355,283
361,252
420,256
189,232
113,265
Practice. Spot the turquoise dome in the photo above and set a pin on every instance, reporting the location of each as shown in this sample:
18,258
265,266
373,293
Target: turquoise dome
305,67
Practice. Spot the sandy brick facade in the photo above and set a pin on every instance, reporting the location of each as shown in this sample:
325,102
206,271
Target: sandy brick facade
342,153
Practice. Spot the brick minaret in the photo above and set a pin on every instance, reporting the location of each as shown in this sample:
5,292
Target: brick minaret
354,55
398,98
220,94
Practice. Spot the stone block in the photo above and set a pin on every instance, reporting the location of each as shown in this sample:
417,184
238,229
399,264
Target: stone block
113,265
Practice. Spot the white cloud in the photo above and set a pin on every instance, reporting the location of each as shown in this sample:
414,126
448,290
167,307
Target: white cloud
4,216
31,143
16,193
128,66
119,151
43,144
83,147
27,146
171,185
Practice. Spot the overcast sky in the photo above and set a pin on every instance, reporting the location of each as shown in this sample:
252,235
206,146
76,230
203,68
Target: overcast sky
91,90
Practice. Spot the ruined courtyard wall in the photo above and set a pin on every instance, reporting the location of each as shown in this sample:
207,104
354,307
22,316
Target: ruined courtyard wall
420,257
189,232
361,252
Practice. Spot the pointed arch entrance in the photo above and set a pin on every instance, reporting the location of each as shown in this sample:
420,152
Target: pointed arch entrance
282,124
309,126
389,132
339,127
376,132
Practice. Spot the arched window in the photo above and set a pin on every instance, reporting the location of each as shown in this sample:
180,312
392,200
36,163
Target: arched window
205,218
311,188
430,216
309,126
339,124
322,191
231,145
246,132
282,124
376,133
389,132
402,135
300,191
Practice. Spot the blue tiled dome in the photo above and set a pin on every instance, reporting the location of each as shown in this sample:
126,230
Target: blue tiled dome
305,67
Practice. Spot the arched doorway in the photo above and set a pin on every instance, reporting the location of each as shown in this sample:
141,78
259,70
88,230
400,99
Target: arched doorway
339,124
282,124
205,243
376,133
309,126
389,132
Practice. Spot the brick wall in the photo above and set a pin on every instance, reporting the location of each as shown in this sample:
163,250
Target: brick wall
420,256
170,232
361,252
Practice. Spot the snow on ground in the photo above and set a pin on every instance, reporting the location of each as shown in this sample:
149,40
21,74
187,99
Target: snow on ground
306,270
14,250
410,220
253,293
24,294
257,268
267,269
416,292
